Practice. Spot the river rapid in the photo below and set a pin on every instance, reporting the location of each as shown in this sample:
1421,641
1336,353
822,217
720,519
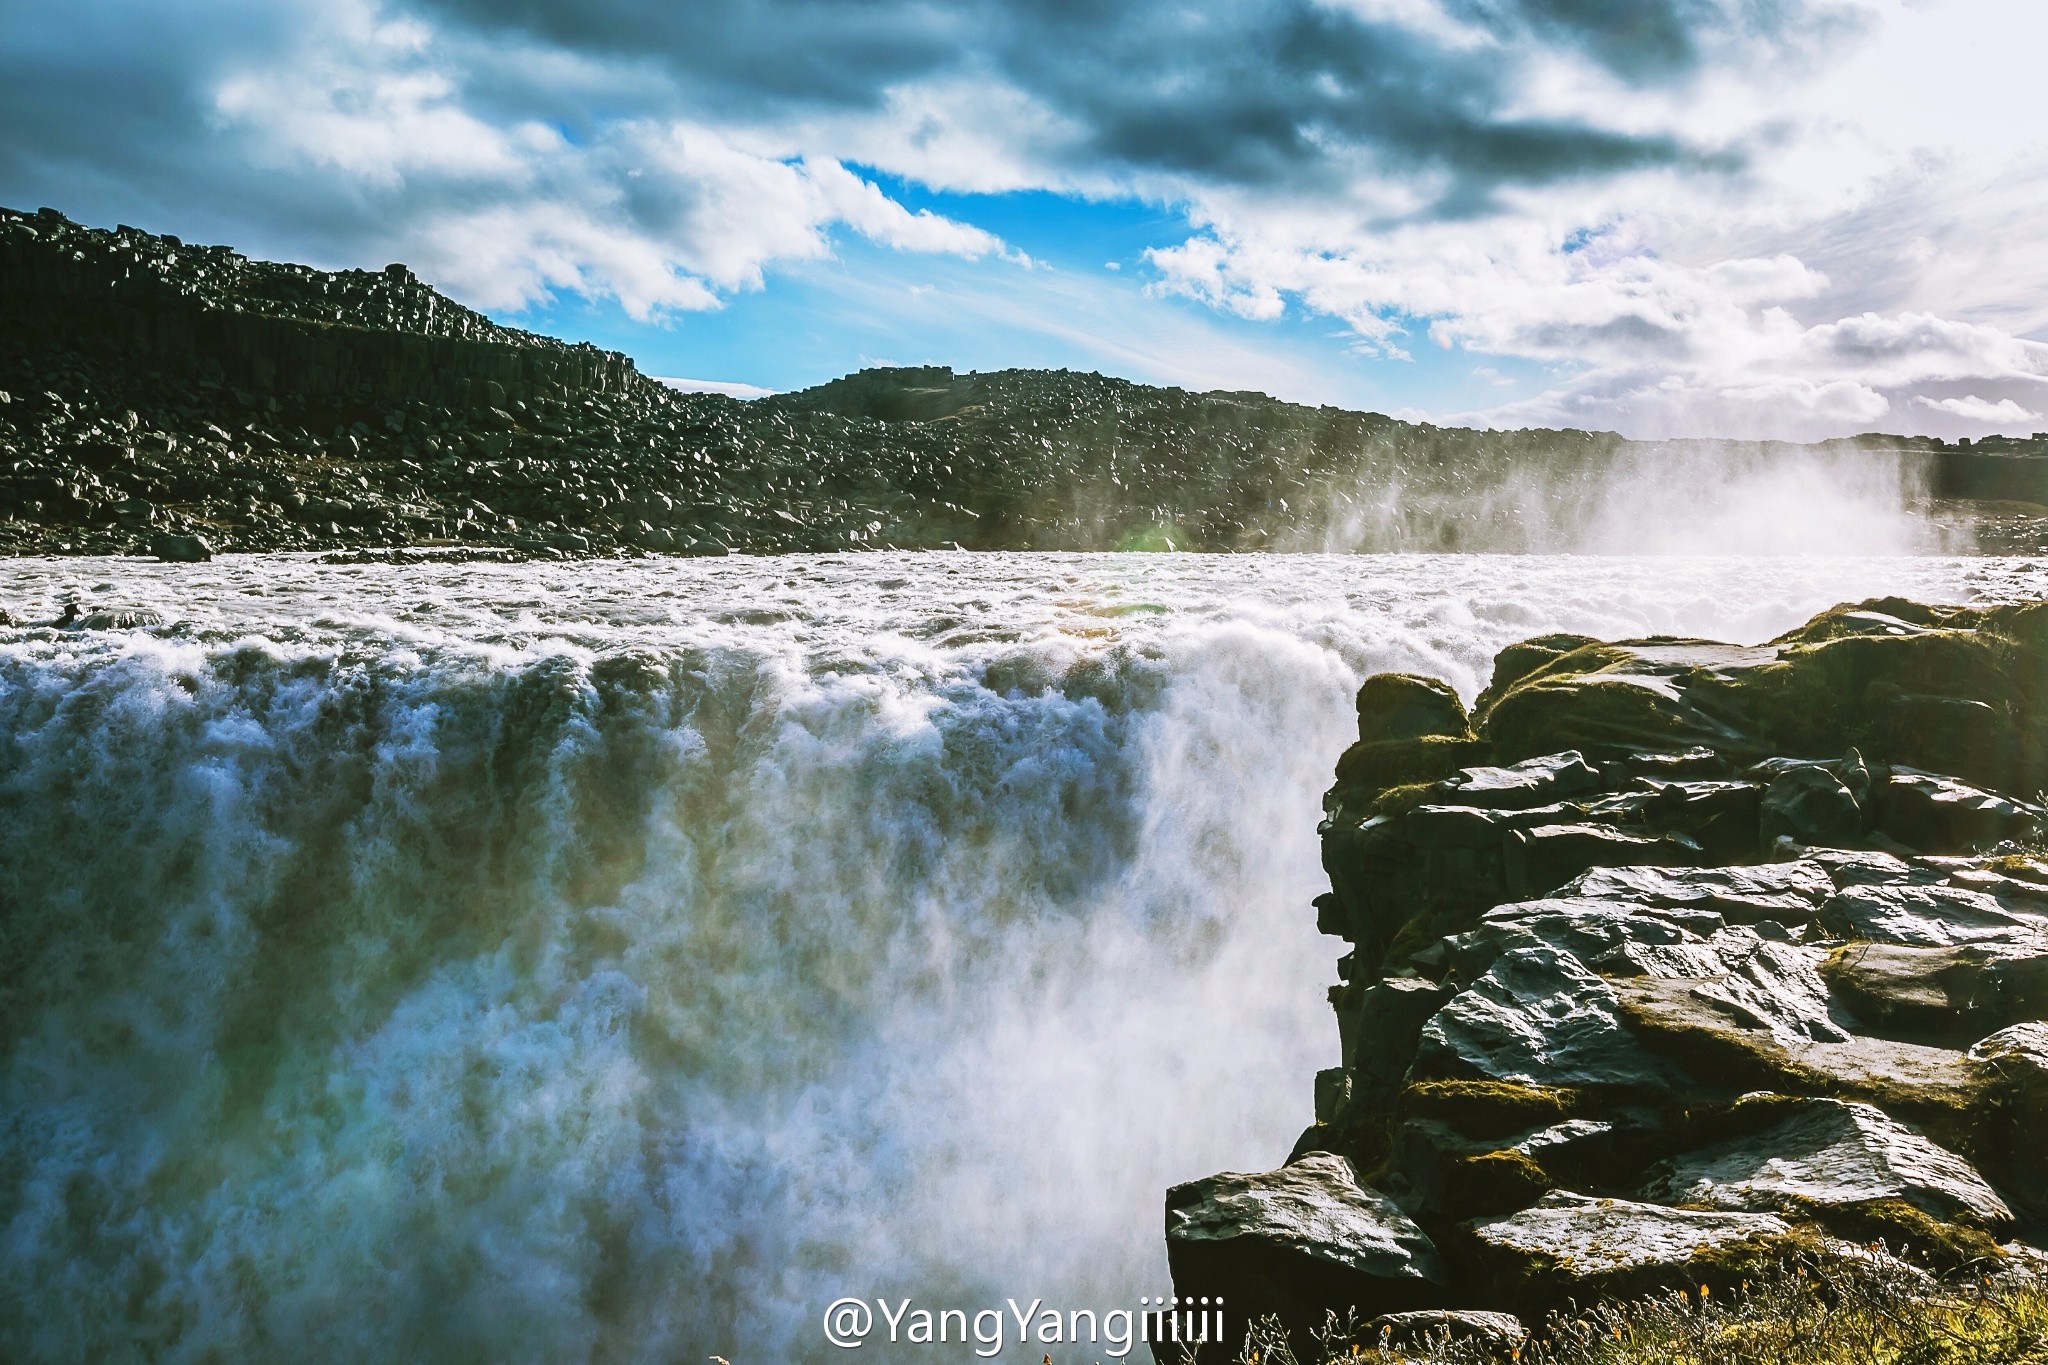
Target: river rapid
620,961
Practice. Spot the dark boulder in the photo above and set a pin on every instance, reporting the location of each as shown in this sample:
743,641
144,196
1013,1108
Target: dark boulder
1294,1243
1810,805
1397,706
1937,814
184,549
1786,893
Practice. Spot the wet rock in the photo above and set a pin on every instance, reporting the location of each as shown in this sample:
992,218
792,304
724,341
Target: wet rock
1823,1153
1737,982
1379,1025
1785,893
1293,1241
1938,814
1723,818
1592,1037
1586,928
1537,1017
1930,916
2013,1067
1571,1247
116,618
1531,783
1856,867
1810,805
1953,994
185,549
1542,859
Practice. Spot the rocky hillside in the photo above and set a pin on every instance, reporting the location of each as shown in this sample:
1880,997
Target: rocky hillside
150,388
1669,960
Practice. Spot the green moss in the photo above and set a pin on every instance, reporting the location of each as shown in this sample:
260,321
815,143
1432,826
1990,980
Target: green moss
1954,1108
1941,1245
1494,1183
1523,658
1409,706
1404,798
1834,623
1488,1109
1571,703
1367,769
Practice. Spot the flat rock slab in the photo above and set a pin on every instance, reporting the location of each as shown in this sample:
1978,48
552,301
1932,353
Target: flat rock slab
1569,1245
1930,916
1828,1152
1789,893
1529,783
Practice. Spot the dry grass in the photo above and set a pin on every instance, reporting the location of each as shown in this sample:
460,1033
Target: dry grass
1805,1313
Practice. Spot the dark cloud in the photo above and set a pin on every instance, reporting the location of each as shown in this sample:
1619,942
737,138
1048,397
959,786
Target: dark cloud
1265,93
1286,95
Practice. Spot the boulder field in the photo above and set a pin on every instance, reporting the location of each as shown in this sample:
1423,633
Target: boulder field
1668,959
173,398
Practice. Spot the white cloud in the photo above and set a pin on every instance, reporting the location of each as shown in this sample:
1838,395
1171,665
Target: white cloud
662,214
1971,408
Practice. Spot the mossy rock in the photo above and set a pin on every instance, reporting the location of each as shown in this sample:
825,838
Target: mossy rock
1948,689
1597,697
1942,1245
1524,657
1368,769
1570,1248
1937,1090
1396,706
1495,1182
1489,1109
1878,616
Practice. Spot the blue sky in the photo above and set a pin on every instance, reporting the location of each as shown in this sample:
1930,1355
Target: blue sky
1738,218
1085,299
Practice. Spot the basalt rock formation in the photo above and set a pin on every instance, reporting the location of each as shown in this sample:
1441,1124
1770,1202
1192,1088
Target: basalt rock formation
1669,959
150,387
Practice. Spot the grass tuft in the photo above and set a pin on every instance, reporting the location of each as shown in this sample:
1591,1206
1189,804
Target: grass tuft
1804,1312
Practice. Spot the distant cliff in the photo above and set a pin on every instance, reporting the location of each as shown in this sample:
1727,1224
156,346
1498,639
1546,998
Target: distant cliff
149,387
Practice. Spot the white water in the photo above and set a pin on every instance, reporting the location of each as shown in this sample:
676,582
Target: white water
621,961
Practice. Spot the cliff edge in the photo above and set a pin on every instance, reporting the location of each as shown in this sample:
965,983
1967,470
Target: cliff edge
1670,959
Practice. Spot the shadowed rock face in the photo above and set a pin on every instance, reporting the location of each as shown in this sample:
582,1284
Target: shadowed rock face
1672,957
1287,1242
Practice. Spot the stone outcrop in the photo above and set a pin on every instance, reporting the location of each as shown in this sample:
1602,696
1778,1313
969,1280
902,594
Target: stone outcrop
1671,957
1286,1243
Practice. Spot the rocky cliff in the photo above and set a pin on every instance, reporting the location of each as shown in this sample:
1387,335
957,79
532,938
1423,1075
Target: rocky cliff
1670,959
151,388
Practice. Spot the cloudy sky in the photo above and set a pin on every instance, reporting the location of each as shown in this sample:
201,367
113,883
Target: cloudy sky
1690,217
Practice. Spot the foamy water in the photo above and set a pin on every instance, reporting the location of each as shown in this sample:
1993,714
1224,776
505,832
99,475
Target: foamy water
620,961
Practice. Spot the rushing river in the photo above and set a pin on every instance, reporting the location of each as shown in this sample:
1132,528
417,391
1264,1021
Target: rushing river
620,961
